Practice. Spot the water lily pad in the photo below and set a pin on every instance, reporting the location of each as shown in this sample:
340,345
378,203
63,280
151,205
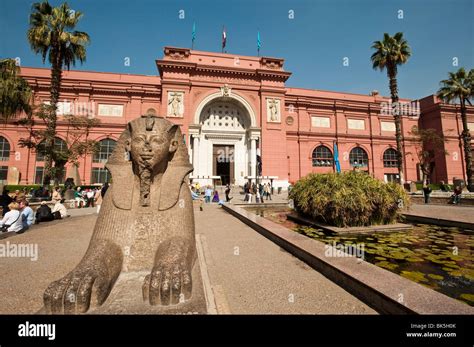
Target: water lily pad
386,265
435,277
414,276
467,297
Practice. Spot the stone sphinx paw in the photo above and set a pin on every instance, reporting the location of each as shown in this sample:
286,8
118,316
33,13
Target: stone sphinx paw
75,292
169,283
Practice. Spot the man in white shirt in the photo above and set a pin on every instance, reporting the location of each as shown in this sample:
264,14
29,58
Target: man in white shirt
13,218
59,207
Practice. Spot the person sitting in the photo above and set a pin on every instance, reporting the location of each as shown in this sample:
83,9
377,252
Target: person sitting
59,210
5,201
443,187
78,197
43,213
12,220
215,198
27,214
56,196
456,197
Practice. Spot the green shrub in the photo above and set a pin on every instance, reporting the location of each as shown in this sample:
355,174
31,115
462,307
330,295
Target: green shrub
348,199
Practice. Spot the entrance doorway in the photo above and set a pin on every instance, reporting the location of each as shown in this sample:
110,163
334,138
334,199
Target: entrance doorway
223,163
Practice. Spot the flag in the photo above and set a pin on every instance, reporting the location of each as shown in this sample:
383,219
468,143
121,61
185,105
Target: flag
259,43
336,158
194,34
224,38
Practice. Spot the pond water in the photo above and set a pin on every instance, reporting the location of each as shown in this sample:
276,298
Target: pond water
440,258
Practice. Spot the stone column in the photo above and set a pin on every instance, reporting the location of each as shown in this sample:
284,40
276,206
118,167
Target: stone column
253,157
195,154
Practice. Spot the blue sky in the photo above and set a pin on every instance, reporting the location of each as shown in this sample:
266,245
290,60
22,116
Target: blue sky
313,43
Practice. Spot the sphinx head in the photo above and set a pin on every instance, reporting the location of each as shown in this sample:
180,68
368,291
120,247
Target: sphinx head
152,142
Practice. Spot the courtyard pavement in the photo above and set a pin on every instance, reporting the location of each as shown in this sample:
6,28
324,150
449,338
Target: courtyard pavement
245,272
447,212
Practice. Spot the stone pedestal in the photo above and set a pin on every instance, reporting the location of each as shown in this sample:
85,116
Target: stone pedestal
126,297
69,194
13,175
73,172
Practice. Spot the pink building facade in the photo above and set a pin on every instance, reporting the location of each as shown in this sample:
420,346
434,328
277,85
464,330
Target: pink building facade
238,119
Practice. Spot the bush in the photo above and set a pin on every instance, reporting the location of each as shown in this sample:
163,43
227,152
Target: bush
348,199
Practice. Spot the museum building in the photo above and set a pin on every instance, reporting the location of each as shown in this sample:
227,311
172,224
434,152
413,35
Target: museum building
239,119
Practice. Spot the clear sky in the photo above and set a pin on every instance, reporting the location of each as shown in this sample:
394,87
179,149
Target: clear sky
313,43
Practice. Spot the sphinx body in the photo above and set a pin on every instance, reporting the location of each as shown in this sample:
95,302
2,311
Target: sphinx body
146,223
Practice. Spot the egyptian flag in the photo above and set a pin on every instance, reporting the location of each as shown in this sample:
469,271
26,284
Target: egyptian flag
224,38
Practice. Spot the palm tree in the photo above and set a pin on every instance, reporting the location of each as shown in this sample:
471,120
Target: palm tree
460,86
391,52
15,93
51,34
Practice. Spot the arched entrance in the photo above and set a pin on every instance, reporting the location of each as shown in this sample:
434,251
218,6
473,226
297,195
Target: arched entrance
225,140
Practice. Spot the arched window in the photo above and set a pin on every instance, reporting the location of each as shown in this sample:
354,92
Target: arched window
390,158
59,146
106,147
322,156
4,149
358,157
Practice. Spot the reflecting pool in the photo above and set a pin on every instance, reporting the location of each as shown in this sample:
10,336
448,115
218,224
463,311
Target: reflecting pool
440,258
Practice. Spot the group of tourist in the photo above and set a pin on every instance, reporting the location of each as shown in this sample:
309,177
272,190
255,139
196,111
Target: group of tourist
455,197
90,197
260,191
18,216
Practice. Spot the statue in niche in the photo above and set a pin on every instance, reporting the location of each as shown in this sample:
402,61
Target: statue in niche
146,224
175,104
273,110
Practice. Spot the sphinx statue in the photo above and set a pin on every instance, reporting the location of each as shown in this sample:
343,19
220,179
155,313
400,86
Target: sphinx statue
146,223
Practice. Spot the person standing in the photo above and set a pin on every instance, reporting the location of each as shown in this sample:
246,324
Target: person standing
104,189
90,196
427,191
268,191
227,192
208,194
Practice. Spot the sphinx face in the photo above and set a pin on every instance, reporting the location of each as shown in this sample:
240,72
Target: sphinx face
148,150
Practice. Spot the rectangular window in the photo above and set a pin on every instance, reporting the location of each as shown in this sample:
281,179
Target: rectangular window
110,110
39,175
64,107
320,122
387,126
3,174
470,126
356,124
391,178
100,175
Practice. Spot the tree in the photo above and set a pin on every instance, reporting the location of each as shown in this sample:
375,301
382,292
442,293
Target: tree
51,34
460,86
391,52
77,140
15,93
428,144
